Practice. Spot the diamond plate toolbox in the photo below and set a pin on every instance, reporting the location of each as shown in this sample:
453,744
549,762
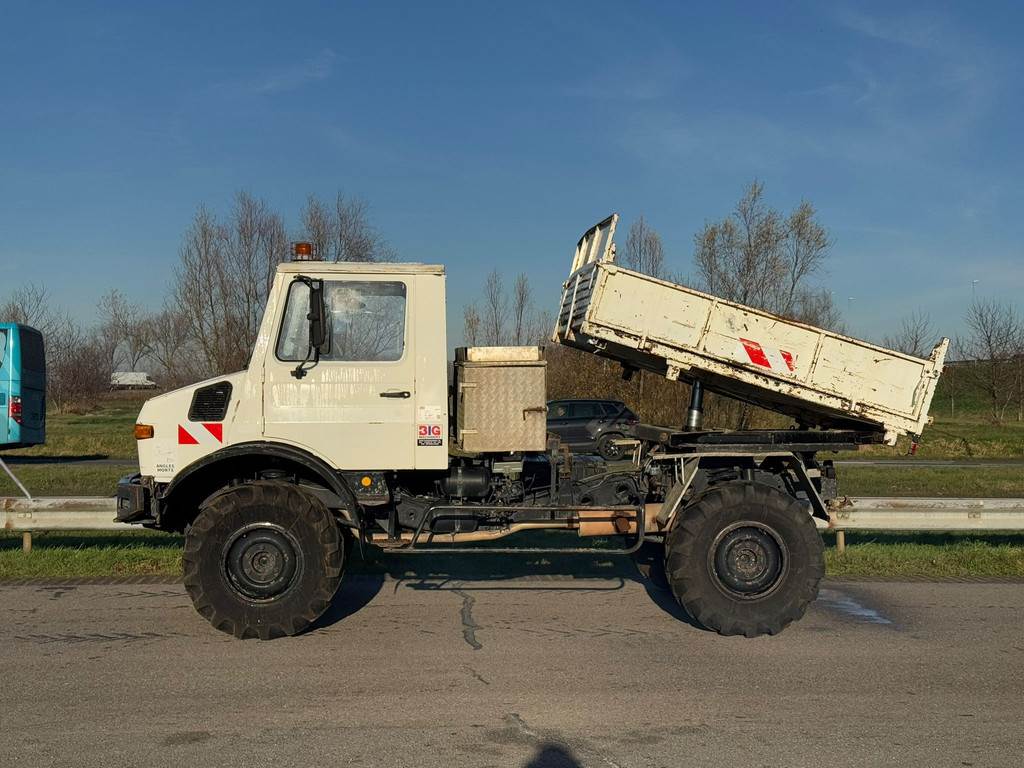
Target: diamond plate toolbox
500,399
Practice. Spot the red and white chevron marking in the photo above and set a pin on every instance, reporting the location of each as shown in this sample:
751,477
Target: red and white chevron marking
767,357
200,433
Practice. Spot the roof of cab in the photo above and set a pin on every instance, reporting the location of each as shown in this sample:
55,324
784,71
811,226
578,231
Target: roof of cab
360,267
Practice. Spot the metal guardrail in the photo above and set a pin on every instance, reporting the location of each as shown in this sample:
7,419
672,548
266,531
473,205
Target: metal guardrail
59,513
924,514
862,513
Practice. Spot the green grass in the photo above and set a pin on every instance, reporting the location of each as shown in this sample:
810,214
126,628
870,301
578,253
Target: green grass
966,482
71,554
882,555
926,555
64,479
963,437
103,433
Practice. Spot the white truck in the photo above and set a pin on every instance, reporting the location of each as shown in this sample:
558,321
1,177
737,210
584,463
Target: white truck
345,429
131,380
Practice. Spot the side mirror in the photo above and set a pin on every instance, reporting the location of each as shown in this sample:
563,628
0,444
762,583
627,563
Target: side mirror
317,315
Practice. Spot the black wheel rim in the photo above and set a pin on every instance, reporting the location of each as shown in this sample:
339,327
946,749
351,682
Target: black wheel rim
262,561
611,450
748,560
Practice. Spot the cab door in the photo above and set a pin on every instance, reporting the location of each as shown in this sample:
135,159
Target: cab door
355,407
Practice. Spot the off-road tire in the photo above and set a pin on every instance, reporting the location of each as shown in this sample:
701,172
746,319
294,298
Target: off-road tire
725,542
607,448
305,547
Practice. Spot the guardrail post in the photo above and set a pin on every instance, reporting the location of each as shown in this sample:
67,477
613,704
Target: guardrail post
26,541
840,541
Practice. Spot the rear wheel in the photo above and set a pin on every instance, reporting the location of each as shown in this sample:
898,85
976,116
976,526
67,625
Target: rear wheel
744,559
608,448
263,560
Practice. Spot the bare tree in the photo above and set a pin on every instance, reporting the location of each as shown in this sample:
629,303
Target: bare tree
495,314
804,247
319,227
29,304
205,290
644,250
77,366
342,231
78,363
505,319
471,325
542,323
759,257
171,347
124,330
223,278
993,346
817,307
520,309
916,335
257,243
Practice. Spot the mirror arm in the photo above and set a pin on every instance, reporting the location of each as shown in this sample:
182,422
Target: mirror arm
300,369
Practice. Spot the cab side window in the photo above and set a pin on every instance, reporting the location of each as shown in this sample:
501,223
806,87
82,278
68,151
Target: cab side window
365,319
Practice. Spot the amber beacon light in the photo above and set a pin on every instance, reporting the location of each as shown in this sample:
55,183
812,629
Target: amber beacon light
303,251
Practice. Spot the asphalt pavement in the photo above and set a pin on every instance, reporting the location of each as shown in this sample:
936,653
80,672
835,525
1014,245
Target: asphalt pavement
574,661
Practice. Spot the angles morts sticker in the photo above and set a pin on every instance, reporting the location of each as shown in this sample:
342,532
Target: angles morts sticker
428,434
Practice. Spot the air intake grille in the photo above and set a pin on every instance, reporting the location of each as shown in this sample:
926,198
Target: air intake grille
210,403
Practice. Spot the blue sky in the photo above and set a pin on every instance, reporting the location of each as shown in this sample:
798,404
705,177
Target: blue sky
487,135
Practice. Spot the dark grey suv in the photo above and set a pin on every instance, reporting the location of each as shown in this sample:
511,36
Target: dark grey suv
592,424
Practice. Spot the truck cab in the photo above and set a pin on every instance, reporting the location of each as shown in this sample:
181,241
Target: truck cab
357,401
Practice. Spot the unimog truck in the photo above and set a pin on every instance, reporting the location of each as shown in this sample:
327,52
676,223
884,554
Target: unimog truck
349,428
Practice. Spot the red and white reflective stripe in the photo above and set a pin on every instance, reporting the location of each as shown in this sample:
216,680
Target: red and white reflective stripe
768,357
200,433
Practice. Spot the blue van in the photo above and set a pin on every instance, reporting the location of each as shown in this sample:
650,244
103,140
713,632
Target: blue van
22,386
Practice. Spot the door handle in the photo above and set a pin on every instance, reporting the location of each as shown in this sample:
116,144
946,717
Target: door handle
404,395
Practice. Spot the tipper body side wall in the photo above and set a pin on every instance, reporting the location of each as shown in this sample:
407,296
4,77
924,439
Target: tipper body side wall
819,377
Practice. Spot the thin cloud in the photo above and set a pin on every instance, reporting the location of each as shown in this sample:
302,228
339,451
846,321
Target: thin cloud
292,78
914,31
651,79
930,79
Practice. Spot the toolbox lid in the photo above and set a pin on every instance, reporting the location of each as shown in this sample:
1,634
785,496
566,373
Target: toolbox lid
498,354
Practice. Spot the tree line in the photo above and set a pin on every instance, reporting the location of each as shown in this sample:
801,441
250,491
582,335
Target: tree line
755,255
210,315
761,257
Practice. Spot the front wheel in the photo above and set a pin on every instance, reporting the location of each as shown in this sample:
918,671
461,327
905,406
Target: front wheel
744,559
263,560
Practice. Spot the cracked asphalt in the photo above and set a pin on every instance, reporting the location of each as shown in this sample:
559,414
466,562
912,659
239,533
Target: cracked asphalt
577,661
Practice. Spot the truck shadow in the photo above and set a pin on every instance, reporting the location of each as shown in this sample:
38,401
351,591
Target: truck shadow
83,458
552,755
376,569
